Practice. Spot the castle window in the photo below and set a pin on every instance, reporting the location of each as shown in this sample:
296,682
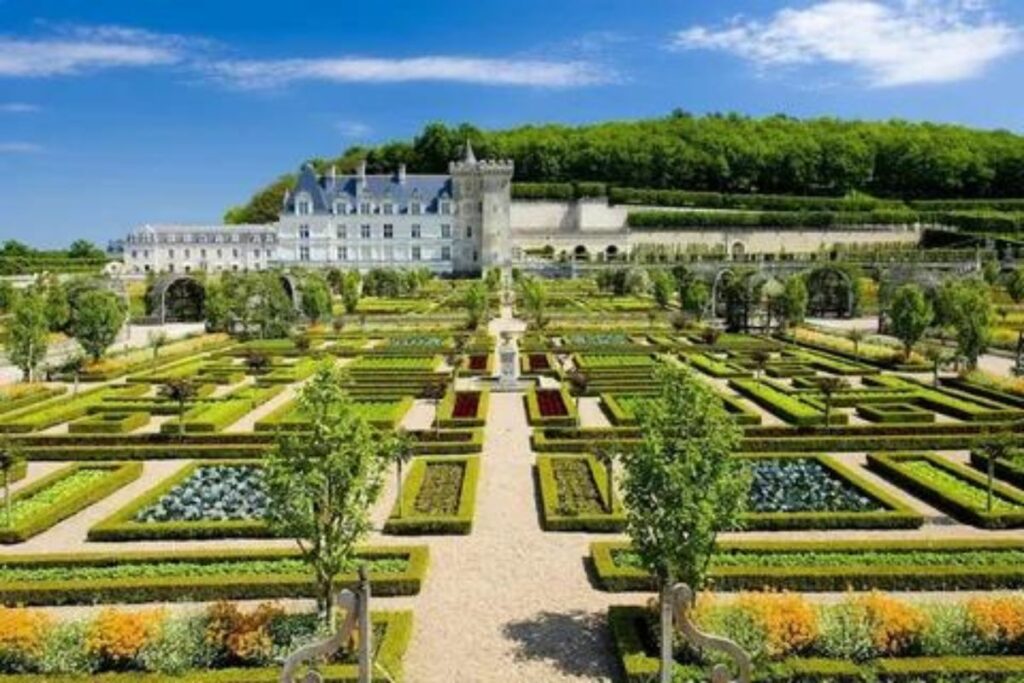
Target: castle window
202,253
446,253
343,253
342,232
234,253
365,208
303,232
389,231
416,254
469,232
188,253
415,231
303,205
364,232
220,253
387,209
475,256
303,253
135,254
170,253
446,208
446,231
256,253
415,208
389,253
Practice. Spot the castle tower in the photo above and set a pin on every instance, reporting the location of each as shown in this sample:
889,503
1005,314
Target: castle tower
483,195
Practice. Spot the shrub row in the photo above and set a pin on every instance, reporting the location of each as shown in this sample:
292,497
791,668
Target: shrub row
38,394
120,474
895,413
109,423
671,220
227,586
904,575
754,202
558,191
214,416
413,523
785,406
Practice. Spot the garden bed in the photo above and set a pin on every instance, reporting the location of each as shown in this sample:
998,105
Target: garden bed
195,575
109,423
550,408
895,413
958,490
479,365
42,504
834,566
463,409
574,495
438,496
206,499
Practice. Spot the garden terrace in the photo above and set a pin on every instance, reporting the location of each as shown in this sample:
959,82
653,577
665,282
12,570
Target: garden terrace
382,413
574,495
461,409
872,354
58,410
951,402
272,347
979,385
637,647
834,566
175,576
959,490
550,408
438,497
205,499
216,415
43,503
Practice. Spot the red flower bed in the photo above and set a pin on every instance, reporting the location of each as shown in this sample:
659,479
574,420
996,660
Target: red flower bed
539,361
551,403
466,405
478,362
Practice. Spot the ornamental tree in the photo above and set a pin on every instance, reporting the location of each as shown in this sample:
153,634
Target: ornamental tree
322,482
910,314
681,486
27,333
475,301
9,458
351,290
180,391
970,312
663,285
96,318
316,298
535,297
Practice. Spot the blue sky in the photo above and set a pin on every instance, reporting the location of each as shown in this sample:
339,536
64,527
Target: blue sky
122,112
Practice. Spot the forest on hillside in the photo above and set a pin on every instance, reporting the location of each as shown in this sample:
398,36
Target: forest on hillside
717,153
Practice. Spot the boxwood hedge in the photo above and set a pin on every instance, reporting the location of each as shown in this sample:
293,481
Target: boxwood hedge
413,523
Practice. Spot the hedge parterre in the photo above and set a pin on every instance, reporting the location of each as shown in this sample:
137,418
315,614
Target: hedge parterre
438,497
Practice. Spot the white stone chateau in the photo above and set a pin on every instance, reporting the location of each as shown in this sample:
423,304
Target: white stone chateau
462,222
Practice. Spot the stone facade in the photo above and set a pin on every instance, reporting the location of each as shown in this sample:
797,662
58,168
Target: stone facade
460,222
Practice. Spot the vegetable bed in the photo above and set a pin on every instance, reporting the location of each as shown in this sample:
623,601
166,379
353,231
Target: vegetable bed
109,423
438,497
573,491
550,408
463,409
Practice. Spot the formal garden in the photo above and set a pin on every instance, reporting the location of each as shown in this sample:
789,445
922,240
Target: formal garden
849,504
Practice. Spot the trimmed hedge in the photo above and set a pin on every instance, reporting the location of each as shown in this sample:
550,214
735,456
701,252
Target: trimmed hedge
109,423
537,419
787,407
120,475
37,394
555,519
1011,471
214,416
750,202
895,413
46,414
672,220
837,578
248,586
638,657
889,466
446,417
17,472
121,525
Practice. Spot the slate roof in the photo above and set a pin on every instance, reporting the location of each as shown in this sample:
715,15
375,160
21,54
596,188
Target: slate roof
325,190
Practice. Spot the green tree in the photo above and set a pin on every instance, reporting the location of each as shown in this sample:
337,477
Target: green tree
970,311
995,446
271,310
8,295
351,290
322,483
1015,284
856,336
829,386
681,483
84,249
180,391
403,453
9,458
535,296
217,308
663,285
96,319
58,308
636,282
937,356
792,303
695,299
910,314
27,333
476,301
316,298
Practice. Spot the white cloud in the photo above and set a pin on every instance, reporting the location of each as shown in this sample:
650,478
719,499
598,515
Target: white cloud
20,148
254,74
353,129
18,108
72,50
888,42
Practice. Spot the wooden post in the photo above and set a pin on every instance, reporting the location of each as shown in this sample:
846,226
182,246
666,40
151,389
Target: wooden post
365,627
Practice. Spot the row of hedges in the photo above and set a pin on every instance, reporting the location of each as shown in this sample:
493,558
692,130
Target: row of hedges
227,586
895,413
787,407
954,499
794,220
121,525
35,394
640,664
558,191
120,474
109,423
113,367
899,575
215,416
43,415
414,523
749,202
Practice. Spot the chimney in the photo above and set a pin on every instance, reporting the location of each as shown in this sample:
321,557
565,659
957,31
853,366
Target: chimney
361,174
401,173
334,173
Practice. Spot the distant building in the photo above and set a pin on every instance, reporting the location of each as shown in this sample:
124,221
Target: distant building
460,222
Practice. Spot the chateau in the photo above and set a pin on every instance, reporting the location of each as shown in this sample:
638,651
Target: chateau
461,222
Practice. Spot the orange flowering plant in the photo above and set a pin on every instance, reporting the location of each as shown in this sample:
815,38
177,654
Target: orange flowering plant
117,637
22,634
896,627
998,621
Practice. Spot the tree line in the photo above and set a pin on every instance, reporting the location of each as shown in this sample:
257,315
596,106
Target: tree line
726,153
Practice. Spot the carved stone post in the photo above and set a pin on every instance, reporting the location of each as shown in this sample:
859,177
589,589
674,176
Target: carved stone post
682,598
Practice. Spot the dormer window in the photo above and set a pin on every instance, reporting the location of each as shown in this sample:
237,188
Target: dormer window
388,208
415,208
446,207
365,208
303,205
340,207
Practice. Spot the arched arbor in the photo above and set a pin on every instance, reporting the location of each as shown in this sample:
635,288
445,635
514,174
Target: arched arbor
830,293
176,297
